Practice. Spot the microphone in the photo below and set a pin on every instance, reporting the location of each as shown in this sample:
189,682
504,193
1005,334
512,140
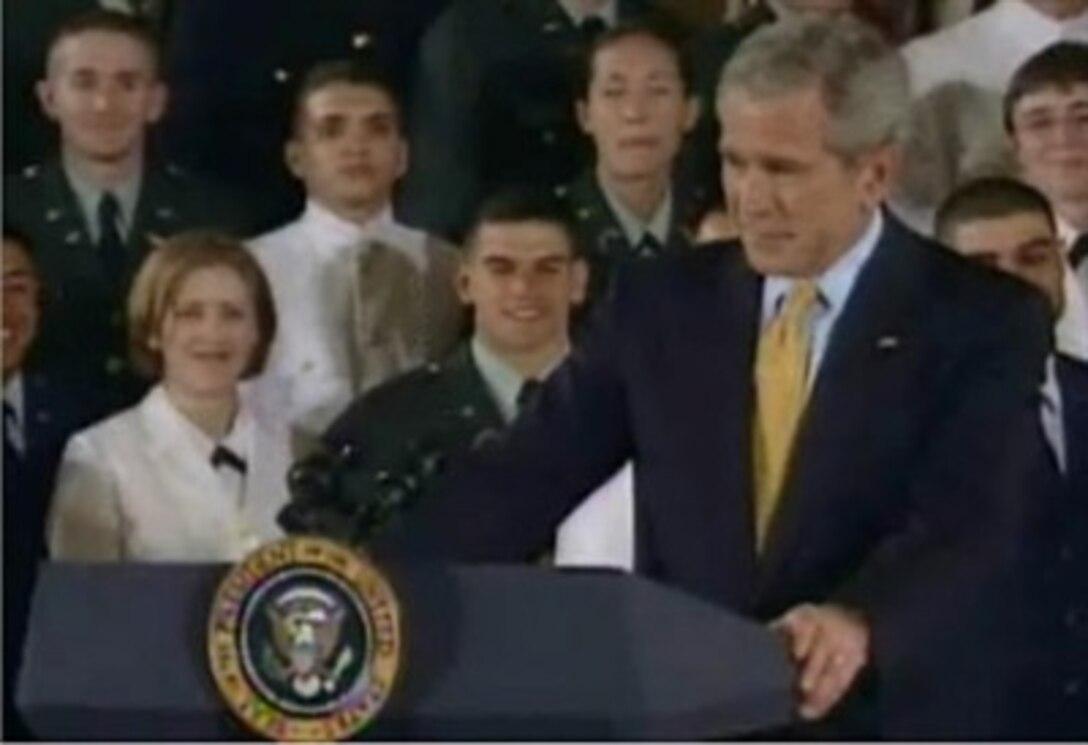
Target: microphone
317,500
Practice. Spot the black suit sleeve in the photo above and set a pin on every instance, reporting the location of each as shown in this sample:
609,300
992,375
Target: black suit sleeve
505,500
935,592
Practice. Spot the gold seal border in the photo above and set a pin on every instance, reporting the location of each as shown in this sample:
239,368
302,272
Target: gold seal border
383,654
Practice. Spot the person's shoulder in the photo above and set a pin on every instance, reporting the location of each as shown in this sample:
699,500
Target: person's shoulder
199,198
275,241
1073,373
119,430
932,58
700,264
399,403
29,184
960,292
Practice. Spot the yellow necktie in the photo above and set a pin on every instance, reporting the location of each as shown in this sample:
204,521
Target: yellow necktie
781,391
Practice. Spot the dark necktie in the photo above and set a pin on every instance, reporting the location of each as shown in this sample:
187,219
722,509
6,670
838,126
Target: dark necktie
592,27
224,456
1079,251
528,393
111,245
648,246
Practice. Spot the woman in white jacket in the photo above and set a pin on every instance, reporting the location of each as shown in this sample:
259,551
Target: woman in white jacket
197,470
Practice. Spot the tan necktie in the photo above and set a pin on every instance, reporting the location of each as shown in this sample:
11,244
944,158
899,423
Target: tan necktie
781,391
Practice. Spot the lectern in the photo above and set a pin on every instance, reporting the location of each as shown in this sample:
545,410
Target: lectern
491,652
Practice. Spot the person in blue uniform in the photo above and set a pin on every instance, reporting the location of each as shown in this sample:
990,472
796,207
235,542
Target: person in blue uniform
42,407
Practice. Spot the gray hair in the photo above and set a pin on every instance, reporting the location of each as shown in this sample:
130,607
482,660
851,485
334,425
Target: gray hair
863,81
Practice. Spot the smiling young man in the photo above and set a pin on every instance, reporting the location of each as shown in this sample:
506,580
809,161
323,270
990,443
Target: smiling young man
92,211
636,105
1046,115
522,277
363,297
814,442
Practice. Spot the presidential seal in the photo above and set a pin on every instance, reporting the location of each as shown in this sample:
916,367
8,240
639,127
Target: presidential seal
304,640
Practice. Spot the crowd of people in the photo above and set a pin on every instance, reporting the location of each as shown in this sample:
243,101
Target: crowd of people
773,312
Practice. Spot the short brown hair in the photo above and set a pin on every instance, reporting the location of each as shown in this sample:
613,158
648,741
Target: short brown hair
523,204
1061,65
989,199
113,22
346,72
161,276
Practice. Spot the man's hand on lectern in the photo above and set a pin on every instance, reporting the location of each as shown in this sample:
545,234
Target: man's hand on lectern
829,645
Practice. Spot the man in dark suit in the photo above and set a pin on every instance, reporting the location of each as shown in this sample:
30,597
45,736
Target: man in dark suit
493,102
92,212
39,415
815,443
1010,226
636,104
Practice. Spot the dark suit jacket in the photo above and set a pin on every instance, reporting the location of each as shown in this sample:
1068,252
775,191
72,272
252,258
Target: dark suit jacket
1053,687
901,498
83,312
404,432
53,410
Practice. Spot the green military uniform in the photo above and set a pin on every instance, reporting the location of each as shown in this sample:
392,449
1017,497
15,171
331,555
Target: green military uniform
404,433
83,315
602,240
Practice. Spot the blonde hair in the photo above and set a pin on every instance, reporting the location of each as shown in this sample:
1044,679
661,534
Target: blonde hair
161,276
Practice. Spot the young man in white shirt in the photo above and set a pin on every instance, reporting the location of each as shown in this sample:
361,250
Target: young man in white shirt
1046,115
958,75
362,296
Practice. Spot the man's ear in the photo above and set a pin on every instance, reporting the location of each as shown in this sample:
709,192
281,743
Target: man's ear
404,157
46,97
292,157
581,113
579,284
463,283
156,107
879,174
692,108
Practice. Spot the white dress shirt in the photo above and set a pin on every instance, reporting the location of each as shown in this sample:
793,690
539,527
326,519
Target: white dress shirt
1050,412
309,263
14,429
835,286
140,486
1071,331
988,47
